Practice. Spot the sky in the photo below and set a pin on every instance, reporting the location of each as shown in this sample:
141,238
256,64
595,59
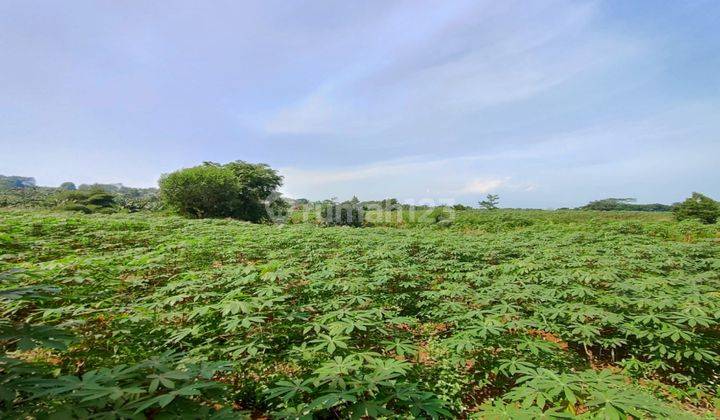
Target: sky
545,103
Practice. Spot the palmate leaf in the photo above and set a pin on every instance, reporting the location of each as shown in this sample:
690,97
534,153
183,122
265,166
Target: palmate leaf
251,349
369,409
509,367
486,328
180,335
290,388
233,307
540,386
333,399
347,326
331,342
499,410
420,403
400,347
585,332
536,346
427,404
619,403
166,379
25,336
234,323
335,372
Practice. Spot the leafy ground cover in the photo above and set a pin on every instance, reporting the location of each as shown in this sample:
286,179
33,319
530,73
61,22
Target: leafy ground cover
502,315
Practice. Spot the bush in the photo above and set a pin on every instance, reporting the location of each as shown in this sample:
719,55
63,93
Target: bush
77,207
698,207
89,201
237,189
101,199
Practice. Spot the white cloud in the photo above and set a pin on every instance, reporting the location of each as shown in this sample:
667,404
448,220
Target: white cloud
481,186
417,178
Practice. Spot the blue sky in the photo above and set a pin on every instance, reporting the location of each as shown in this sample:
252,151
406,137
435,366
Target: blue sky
546,103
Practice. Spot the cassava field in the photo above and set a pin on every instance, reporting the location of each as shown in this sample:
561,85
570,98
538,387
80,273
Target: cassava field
504,314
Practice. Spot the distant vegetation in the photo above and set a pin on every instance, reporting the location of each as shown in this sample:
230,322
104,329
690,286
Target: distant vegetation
68,196
8,182
248,191
624,204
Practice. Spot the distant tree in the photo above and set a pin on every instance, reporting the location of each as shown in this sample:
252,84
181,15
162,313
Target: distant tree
68,186
627,204
460,207
490,202
12,182
238,189
699,207
354,201
389,203
608,204
109,188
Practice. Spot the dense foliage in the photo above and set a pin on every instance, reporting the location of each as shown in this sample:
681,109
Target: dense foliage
237,189
87,201
8,182
108,198
502,315
68,186
624,204
698,207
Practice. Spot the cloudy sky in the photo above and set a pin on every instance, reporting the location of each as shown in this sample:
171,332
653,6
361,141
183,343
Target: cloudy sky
547,103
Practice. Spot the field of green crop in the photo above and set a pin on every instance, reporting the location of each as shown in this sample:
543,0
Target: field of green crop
506,314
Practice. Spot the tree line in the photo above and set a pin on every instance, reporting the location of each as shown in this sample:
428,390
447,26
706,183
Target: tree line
249,191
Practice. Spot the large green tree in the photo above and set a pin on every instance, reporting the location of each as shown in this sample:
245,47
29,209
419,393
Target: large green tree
236,189
699,207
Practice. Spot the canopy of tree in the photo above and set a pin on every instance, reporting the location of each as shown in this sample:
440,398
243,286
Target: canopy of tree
698,207
491,202
69,186
237,189
627,204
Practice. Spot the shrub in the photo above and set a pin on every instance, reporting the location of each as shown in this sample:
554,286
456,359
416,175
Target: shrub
77,207
89,201
698,207
237,189
101,199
